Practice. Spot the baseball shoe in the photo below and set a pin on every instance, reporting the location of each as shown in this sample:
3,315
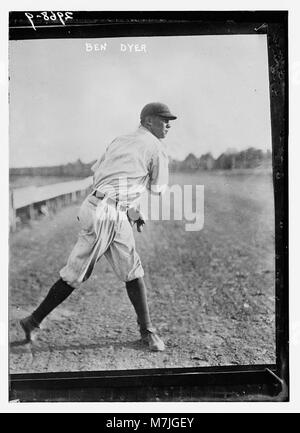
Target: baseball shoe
152,340
29,325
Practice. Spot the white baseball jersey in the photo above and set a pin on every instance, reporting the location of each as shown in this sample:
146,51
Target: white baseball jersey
130,164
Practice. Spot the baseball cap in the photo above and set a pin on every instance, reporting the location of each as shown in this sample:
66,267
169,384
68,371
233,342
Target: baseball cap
157,109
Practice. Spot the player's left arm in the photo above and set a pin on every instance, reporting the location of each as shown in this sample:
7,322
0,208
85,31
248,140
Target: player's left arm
158,172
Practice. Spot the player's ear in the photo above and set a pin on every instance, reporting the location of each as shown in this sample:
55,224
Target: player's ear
148,121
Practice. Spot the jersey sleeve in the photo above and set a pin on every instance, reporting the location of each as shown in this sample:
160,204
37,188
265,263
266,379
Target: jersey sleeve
97,164
158,172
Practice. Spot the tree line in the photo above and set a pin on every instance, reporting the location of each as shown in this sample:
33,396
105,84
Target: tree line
249,158
77,168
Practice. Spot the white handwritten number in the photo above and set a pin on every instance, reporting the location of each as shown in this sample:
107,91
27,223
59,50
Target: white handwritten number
45,16
30,16
52,16
60,16
69,16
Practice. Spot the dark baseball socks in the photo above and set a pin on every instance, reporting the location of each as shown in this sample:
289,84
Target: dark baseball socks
56,295
136,290
137,293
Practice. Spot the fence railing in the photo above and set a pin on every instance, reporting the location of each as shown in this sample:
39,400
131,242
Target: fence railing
28,202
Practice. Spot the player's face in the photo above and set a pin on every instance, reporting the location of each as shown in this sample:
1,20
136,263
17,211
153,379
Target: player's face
159,126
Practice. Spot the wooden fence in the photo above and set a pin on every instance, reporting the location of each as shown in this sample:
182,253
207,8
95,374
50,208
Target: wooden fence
29,202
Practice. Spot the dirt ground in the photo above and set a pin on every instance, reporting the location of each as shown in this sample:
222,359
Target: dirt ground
211,292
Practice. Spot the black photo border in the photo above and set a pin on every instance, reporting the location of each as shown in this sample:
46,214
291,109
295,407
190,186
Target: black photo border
227,383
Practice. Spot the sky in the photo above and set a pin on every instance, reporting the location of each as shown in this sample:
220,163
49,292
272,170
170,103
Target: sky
67,102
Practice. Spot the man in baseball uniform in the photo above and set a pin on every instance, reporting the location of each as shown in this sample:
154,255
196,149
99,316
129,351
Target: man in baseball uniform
131,164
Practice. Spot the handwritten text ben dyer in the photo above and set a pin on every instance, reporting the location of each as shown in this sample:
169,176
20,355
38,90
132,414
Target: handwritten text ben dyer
129,48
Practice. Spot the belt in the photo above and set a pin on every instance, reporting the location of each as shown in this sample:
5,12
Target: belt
111,201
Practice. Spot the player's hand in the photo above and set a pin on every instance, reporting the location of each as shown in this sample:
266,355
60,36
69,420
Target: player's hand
140,225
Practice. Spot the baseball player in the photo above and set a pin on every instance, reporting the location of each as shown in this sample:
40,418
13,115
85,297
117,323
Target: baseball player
131,164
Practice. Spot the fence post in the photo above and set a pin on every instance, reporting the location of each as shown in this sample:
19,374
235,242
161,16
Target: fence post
12,212
49,205
31,212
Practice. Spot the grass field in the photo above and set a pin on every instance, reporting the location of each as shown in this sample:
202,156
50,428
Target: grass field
211,292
